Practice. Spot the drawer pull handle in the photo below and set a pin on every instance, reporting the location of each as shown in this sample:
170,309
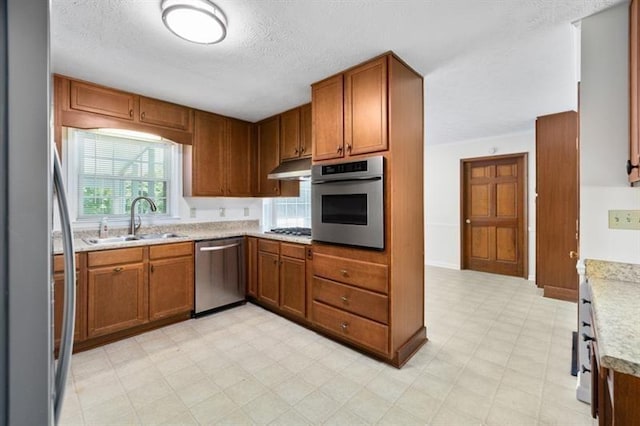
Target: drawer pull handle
344,272
345,299
588,338
584,301
585,369
118,269
344,326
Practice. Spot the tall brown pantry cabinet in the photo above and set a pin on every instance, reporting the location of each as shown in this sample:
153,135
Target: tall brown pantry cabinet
370,299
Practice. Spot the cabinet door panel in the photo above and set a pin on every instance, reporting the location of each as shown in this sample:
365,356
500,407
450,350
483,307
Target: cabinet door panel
239,163
268,155
116,298
208,154
306,147
292,286
366,108
90,98
634,89
170,287
268,290
165,114
327,119
58,306
290,134
252,266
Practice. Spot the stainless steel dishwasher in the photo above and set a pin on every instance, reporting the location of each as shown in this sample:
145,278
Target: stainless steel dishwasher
220,274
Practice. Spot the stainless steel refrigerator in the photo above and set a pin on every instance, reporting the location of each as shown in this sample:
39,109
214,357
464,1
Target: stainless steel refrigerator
31,381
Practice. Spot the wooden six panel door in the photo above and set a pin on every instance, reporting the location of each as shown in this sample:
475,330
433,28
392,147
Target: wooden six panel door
493,215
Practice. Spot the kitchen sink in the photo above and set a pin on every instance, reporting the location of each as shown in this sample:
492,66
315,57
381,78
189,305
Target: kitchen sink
125,238
161,236
111,240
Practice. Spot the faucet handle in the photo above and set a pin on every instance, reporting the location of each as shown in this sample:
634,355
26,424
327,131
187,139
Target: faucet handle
137,224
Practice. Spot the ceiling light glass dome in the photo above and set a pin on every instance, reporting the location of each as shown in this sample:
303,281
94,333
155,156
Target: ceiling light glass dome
197,21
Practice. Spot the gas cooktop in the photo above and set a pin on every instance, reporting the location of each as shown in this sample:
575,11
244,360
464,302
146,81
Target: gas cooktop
303,232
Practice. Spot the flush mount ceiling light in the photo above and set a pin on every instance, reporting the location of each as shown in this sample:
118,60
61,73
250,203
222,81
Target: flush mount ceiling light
197,21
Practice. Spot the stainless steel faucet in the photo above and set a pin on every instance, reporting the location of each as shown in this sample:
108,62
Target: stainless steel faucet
133,228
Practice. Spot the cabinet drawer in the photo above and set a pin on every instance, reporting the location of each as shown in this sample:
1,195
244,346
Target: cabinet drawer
170,250
112,257
58,263
292,250
165,114
362,302
269,246
371,276
357,329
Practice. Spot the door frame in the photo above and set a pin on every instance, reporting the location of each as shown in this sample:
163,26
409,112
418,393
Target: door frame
524,156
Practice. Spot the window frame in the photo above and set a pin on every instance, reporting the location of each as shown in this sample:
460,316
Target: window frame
71,167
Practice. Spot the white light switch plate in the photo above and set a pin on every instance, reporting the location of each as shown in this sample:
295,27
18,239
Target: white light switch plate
624,219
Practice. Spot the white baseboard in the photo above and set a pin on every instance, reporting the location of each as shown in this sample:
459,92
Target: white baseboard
532,278
443,265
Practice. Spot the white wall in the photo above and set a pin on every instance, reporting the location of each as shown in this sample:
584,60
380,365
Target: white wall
604,138
442,193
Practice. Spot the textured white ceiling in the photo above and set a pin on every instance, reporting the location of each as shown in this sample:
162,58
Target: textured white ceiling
490,66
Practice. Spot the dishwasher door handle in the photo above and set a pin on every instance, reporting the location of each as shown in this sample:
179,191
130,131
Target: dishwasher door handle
216,248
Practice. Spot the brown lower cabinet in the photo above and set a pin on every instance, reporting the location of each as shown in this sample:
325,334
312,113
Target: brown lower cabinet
131,290
614,395
79,332
277,275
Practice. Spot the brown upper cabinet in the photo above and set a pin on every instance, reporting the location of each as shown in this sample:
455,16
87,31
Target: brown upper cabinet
633,165
219,161
295,133
327,118
85,105
99,100
160,113
350,111
268,155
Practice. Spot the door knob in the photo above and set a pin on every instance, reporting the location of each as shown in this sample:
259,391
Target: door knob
573,254
468,221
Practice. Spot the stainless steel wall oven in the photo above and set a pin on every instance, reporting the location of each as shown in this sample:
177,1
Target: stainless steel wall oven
347,203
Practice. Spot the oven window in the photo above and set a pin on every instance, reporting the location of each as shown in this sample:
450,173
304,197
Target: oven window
345,209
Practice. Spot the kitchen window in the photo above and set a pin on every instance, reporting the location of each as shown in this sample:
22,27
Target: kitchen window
286,212
108,169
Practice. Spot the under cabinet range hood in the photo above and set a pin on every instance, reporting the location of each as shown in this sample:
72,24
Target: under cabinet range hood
292,170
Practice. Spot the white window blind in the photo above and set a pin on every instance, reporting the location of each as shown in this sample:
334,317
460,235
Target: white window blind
113,170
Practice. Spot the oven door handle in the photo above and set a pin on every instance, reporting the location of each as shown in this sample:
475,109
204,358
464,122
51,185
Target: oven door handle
354,179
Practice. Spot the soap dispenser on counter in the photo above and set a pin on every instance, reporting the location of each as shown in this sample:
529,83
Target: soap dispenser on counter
104,229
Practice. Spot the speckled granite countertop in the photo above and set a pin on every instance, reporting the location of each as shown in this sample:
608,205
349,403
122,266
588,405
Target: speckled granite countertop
616,311
188,232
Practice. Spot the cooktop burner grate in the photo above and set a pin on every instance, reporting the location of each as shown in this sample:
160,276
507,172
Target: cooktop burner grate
304,232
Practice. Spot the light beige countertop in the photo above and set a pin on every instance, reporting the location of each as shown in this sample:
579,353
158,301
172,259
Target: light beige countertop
616,310
187,232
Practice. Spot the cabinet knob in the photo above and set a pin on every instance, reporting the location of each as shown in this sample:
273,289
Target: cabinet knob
118,269
585,301
348,147
344,326
339,149
275,189
573,254
630,167
131,112
302,149
344,272
295,151
588,338
467,221
585,324
585,369
142,115
345,299
152,269
275,262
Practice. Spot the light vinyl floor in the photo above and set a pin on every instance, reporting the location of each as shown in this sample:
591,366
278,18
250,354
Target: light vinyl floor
498,354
